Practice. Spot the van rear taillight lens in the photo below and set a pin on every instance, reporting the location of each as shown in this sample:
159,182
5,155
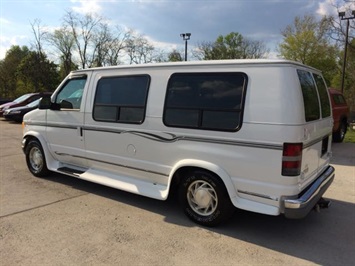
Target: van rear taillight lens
292,159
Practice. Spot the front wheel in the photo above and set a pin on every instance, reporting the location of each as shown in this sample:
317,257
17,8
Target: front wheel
35,159
204,198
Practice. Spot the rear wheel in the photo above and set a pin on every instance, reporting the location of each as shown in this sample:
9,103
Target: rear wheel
339,135
204,198
35,159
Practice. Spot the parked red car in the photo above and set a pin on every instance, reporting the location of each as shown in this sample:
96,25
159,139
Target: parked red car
22,101
341,114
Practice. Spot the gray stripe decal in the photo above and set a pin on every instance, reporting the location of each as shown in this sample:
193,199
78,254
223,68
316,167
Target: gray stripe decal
167,137
173,138
116,164
316,141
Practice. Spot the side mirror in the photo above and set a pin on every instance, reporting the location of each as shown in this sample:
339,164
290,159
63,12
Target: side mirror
44,103
66,104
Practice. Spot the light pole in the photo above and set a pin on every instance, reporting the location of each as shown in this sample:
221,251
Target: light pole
185,37
342,17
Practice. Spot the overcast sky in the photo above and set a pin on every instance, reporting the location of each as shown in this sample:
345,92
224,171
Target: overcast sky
162,21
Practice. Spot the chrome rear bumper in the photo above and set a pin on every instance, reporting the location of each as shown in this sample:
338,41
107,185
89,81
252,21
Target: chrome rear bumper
296,208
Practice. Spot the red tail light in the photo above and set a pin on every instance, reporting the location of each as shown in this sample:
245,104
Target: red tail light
292,159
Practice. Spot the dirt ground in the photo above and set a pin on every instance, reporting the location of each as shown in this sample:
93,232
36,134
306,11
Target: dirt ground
66,221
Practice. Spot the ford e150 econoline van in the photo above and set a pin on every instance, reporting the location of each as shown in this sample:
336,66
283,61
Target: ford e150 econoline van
250,134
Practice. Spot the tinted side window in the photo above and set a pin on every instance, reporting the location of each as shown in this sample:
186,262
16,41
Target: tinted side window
70,95
323,95
211,101
121,99
310,97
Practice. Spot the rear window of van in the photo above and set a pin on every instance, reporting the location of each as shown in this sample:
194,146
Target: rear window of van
211,101
315,95
310,96
323,95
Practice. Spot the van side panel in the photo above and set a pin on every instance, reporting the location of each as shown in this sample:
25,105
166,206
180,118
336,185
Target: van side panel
271,117
273,97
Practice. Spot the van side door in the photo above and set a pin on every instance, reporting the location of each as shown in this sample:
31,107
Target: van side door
65,121
113,129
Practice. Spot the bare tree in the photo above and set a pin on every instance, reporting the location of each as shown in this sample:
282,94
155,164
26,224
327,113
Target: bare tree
83,29
39,35
203,48
339,27
100,44
140,50
109,44
339,32
36,65
253,49
117,45
63,41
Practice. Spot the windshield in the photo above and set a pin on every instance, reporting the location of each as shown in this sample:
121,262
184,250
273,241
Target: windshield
34,103
22,98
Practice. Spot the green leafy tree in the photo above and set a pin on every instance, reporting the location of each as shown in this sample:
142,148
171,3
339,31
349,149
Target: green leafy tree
8,70
350,74
231,46
349,81
175,56
307,41
38,73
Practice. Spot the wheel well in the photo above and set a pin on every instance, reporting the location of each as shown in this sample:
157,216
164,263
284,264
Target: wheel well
181,173
28,139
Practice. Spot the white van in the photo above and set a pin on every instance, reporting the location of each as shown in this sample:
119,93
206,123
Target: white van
250,134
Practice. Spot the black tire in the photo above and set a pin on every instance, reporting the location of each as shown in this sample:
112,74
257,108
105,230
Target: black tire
339,135
35,159
204,198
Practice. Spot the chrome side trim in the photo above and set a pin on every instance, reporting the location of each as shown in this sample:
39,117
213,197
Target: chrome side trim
258,195
44,124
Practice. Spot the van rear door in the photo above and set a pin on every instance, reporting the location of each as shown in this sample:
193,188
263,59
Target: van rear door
326,123
318,126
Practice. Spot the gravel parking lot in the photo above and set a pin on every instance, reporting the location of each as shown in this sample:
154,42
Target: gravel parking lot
66,221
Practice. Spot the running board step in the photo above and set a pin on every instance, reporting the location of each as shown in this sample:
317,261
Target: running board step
129,184
70,171
126,183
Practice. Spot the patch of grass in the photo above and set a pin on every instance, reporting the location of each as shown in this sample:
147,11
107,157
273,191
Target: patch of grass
350,136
